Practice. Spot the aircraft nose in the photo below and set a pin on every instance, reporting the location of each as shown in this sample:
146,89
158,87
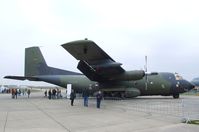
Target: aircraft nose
188,86
192,86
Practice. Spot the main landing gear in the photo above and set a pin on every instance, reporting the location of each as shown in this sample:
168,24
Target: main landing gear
176,96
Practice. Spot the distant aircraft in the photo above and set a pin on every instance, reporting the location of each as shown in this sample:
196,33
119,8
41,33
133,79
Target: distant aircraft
195,81
101,72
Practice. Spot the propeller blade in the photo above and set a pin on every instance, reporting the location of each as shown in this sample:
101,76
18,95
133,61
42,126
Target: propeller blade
145,63
146,78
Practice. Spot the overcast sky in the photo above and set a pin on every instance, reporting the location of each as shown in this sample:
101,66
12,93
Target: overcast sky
167,31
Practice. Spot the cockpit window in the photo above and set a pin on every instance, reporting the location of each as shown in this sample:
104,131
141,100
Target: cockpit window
178,77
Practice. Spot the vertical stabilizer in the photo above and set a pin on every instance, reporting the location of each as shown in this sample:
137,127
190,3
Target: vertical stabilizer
34,62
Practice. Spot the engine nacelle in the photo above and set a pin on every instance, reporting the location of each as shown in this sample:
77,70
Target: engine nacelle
129,75
132,92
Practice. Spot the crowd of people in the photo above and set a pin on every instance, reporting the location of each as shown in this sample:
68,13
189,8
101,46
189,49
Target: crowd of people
56,94
18,92
85,95
53,94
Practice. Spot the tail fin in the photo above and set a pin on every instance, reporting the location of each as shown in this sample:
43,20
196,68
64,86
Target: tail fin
35,64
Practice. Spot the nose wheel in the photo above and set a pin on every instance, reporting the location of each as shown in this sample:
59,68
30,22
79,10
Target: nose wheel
176,96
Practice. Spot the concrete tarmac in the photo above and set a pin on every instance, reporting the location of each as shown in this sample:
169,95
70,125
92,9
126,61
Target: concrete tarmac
143,114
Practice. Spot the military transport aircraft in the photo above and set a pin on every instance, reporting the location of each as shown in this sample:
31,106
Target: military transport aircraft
101,72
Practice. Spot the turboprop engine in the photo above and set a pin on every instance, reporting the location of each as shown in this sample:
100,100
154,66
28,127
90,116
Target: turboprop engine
129,75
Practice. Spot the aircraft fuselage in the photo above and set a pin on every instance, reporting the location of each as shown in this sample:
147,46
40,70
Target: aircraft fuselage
160,84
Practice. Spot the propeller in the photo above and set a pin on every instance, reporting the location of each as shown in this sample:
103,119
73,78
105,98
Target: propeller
147,74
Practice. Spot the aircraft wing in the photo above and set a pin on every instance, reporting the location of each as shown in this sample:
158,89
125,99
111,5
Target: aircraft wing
93,61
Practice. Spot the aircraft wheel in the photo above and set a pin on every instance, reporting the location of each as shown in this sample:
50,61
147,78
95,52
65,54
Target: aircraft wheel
122,95
176,96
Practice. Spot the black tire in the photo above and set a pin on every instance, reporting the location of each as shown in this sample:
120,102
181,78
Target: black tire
176,96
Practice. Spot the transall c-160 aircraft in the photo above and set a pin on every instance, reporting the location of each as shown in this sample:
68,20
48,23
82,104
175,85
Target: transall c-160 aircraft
101,72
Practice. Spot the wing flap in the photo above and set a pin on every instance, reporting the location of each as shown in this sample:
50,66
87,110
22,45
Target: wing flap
89,71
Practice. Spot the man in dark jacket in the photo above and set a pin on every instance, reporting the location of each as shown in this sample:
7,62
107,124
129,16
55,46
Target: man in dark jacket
72,96
99,98
85,96
49,94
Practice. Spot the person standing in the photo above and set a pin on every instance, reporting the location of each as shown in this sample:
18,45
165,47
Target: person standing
13,93
85,96
49,94
45,93
16,92
72,96
54,93
23,92
28,92
99,98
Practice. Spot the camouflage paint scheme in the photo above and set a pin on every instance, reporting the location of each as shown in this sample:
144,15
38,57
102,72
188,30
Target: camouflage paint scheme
100,72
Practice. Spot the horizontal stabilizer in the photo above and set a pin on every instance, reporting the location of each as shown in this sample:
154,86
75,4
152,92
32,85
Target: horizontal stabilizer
22,78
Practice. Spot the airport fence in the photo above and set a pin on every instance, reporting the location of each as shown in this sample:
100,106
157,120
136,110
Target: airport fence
186,109
190,109
163,107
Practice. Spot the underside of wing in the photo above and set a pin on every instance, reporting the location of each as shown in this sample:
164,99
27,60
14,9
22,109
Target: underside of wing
93,61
